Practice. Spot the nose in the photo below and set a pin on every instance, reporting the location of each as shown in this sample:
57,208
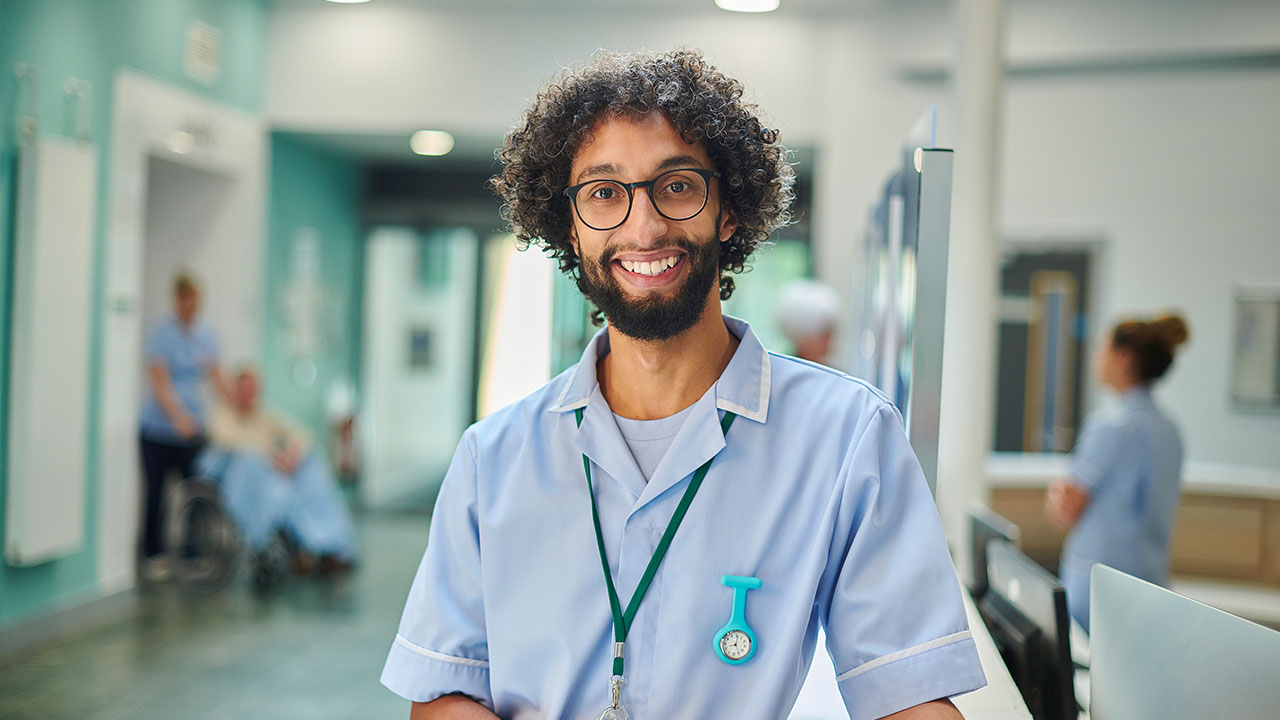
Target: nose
645,224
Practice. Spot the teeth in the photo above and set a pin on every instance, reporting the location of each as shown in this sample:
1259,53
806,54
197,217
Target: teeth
655,267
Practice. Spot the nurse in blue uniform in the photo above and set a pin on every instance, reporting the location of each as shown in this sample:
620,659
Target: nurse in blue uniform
660,531
181,356
1121,491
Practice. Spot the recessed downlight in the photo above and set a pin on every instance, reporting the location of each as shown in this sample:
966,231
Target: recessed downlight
750,6
431,142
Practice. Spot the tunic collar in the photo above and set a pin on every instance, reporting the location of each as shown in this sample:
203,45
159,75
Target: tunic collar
1135,397
743,387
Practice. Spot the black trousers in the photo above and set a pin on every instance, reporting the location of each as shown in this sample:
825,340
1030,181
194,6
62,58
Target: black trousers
158,458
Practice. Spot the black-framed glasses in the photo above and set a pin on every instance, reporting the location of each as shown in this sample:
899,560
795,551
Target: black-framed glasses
677,195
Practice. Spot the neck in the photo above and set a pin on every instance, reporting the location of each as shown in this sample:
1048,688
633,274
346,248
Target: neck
1124,385
647,380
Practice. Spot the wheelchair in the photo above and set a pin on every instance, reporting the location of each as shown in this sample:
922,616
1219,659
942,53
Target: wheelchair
203,540
206,546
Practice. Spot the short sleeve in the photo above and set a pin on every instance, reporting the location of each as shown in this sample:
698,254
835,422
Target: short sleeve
895,619
1101,447
441,646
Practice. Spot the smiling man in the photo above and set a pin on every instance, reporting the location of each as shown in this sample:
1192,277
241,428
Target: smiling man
660,530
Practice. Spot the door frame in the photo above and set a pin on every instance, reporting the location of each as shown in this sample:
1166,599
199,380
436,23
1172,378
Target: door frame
152,118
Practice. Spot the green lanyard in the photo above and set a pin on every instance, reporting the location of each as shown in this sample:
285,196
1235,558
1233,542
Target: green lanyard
622,621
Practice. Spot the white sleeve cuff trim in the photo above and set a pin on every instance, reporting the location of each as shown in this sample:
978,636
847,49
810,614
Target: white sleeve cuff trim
902,654
440,656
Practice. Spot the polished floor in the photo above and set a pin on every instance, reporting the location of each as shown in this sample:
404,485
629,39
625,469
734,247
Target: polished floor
311,649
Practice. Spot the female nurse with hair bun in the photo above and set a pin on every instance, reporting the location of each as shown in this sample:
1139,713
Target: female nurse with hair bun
1122,487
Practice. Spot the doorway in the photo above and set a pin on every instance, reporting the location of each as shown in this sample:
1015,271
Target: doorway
187,180
182,207
1042,366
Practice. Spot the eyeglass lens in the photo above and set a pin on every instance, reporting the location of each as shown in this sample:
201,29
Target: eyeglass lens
677,195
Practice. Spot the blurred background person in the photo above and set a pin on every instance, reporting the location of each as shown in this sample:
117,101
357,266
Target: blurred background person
808,311
273,480
181,356
1121,491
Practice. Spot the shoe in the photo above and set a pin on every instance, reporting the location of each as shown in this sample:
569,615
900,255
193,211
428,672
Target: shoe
334,565
302,563
156,569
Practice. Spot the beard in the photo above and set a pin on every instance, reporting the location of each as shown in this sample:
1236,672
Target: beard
654,317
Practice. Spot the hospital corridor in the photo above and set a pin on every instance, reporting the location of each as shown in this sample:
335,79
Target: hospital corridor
309,650
604,360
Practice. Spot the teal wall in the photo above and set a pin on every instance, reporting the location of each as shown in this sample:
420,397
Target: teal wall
91,40
312,188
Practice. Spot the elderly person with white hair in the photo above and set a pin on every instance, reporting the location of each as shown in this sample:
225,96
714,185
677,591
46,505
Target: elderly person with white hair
808,312
273,481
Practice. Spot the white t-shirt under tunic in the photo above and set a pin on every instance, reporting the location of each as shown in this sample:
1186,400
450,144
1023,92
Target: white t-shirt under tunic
649,440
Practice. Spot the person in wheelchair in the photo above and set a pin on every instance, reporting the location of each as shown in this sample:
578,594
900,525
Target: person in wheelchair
274,482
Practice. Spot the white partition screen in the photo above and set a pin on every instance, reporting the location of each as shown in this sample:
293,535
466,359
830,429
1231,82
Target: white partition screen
49,368
903,288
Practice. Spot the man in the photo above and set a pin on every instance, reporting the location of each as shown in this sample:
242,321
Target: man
796,497
273,481
807,313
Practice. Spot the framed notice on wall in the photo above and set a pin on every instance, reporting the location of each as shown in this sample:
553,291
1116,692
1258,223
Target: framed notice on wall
1255,379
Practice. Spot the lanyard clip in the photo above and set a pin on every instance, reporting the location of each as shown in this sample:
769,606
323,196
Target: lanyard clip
617,689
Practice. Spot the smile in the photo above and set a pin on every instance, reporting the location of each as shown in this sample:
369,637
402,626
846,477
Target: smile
651,268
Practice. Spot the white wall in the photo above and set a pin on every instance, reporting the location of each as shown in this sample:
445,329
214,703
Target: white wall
1187,206
1175,169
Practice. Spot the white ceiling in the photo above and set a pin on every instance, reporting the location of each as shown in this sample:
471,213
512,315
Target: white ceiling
624,7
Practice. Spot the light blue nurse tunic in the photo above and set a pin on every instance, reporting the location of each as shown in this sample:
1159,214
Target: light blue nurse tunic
814,490
1129,458
187,354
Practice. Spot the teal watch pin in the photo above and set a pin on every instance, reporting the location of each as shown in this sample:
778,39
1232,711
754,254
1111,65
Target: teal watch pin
735,643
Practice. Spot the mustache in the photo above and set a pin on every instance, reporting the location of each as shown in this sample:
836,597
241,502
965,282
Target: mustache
681,242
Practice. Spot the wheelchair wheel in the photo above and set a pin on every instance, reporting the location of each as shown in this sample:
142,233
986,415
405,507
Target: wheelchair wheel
272,565
203,539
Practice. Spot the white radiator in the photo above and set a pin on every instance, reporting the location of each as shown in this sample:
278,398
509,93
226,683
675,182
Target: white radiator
50,351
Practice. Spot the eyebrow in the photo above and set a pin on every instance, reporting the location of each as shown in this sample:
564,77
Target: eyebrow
610,170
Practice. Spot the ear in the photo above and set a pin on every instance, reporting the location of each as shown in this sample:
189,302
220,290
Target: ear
728,225
573,240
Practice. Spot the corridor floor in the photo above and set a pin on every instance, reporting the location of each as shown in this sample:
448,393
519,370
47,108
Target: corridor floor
310,650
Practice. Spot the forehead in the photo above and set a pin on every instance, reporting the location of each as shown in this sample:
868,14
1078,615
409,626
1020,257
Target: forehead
631,147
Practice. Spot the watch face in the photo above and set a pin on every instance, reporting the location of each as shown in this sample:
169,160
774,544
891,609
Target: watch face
735,644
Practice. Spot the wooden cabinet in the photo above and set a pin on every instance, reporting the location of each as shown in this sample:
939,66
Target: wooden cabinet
1217,536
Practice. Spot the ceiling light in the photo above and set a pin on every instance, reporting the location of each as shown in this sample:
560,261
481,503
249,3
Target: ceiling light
181,142
431,142
348,2
748,5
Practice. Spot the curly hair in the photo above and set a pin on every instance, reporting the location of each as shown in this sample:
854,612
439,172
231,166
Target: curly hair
706,107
